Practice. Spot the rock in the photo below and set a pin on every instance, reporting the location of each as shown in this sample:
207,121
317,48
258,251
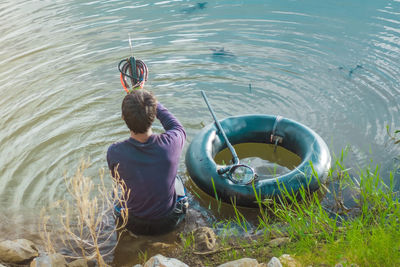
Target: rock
288,261
162,248
274,262
278,242
160,245
17,251
52,260
244,262
81,263
161,261
137,265
204,239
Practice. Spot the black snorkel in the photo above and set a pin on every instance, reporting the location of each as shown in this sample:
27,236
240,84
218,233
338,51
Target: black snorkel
237,172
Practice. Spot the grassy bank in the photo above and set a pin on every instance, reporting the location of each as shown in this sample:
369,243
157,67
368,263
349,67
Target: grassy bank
318,233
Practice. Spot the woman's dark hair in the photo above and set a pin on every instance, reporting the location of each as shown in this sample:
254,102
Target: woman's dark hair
139,109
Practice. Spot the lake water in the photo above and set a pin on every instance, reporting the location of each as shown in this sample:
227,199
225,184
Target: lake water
331,65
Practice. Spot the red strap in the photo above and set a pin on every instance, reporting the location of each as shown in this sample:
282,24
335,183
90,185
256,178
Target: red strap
123,83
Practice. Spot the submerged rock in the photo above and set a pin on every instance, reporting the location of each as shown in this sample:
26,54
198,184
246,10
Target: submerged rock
82,263
193,8
161,261
17,251
222,53
52,260
161,248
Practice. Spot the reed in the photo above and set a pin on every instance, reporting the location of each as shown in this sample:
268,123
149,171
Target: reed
82,222
219,201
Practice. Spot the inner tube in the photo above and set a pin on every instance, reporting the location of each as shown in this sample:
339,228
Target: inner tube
291,135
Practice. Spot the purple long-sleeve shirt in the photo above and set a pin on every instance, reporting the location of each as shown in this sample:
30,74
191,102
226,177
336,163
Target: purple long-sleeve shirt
149,169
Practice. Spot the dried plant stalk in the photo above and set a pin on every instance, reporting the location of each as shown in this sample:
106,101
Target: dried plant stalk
81,221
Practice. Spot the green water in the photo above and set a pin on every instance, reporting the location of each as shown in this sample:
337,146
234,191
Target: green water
263,158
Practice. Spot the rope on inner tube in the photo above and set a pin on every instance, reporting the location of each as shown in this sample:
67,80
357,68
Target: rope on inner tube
137,76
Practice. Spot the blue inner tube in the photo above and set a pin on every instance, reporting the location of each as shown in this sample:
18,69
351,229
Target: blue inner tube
297,138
